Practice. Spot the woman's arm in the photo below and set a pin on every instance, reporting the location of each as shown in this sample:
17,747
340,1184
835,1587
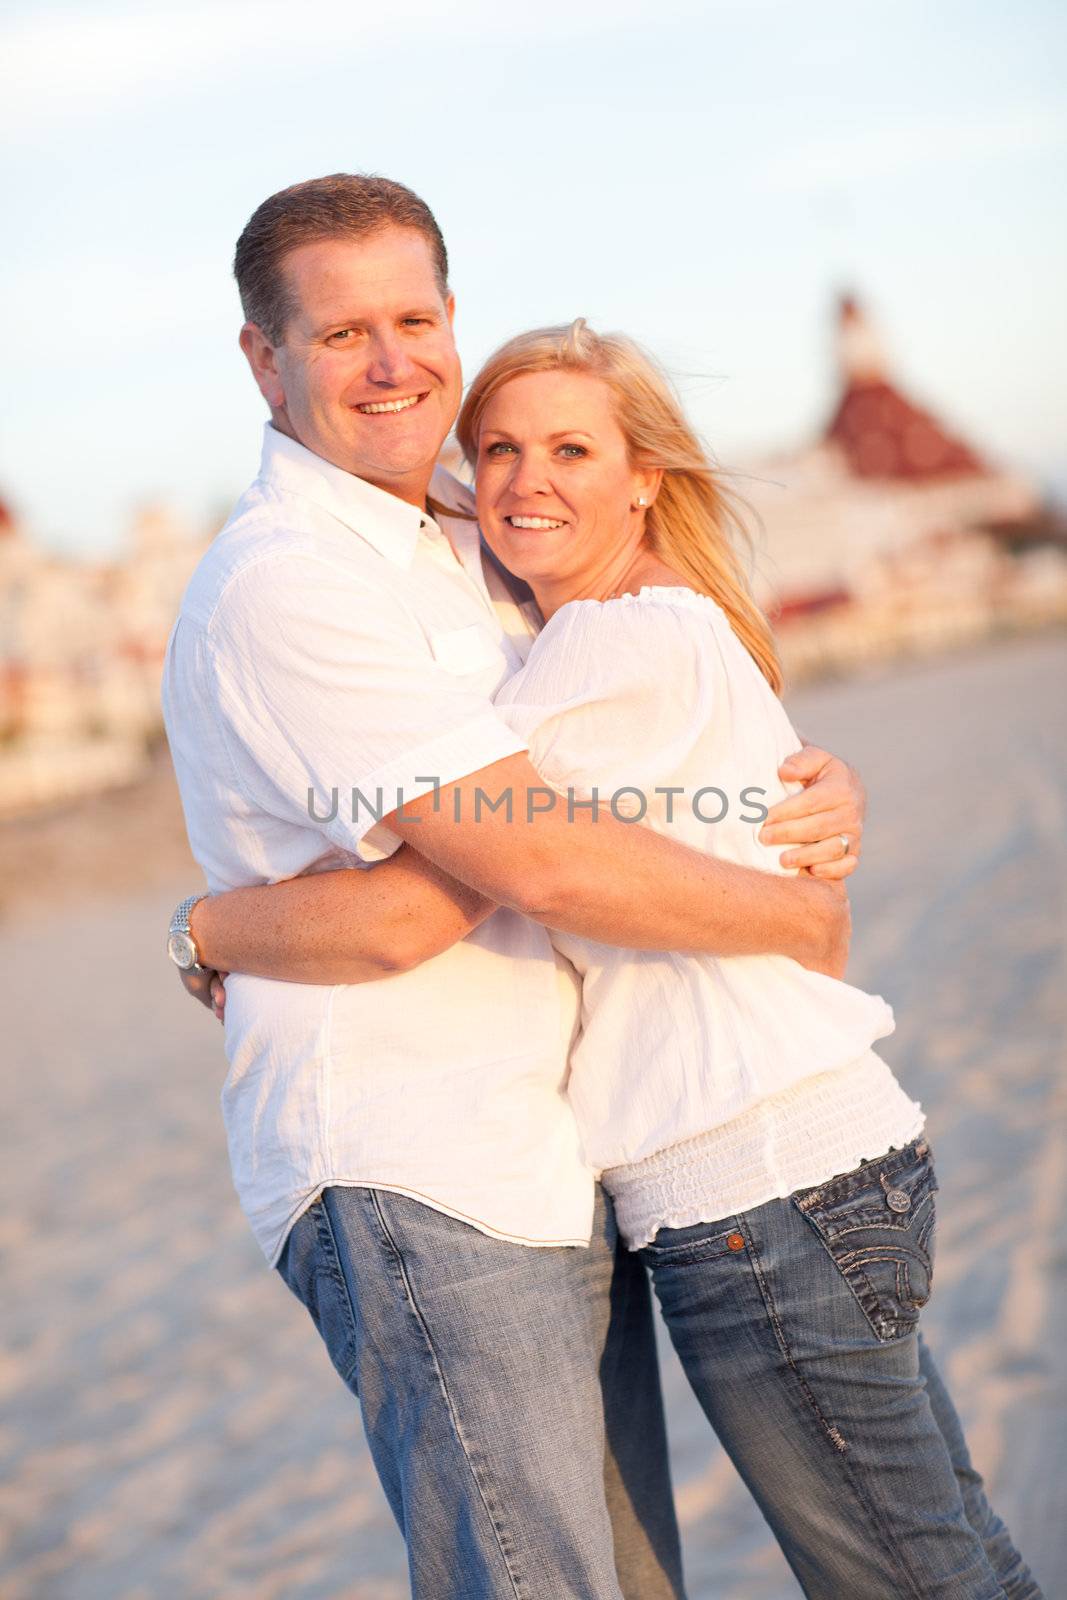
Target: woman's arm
349,926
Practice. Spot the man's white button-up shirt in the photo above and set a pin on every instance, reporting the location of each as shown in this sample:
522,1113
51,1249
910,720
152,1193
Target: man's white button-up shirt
335,638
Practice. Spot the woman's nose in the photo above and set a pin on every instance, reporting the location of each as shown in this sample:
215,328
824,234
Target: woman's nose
529,476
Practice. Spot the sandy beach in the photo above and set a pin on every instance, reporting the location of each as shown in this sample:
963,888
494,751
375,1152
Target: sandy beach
170,1427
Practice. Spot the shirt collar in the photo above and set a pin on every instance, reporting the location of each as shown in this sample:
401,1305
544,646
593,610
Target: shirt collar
390,525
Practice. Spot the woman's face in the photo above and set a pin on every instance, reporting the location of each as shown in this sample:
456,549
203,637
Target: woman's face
556,492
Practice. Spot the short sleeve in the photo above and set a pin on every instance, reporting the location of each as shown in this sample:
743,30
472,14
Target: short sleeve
326,687
613,694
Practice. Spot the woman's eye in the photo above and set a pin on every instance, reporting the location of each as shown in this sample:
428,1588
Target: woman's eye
572,452
499,449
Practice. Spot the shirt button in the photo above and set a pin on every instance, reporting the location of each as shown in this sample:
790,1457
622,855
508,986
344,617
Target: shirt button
897,1200
734,1241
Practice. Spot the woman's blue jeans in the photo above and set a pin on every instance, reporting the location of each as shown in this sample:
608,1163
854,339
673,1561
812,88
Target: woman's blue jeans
797,1326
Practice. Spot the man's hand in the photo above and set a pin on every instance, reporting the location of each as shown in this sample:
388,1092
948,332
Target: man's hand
831,806
209,988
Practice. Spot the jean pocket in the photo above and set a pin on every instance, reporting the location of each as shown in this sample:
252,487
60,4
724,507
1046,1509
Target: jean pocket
877,1224
700,1241
311,1266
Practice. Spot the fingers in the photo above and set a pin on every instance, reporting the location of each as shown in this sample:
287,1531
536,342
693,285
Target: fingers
218,995
198,984
835,871
804,765
825,852
813,828
829,785
828,794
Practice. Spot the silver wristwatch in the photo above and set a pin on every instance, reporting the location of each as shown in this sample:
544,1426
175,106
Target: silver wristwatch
181,946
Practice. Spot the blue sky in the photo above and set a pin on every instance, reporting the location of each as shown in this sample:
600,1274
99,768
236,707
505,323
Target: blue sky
703,175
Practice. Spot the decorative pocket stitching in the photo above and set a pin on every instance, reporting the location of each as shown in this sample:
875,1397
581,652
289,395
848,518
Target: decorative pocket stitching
840,1223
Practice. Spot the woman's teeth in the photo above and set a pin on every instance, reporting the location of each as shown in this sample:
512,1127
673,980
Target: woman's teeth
538,524
376,406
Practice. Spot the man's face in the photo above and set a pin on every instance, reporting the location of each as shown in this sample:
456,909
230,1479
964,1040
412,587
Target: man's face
367,375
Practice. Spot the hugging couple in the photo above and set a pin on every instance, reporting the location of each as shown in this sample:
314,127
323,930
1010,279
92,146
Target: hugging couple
501,1051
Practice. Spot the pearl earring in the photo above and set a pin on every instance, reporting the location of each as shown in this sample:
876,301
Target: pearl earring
641,501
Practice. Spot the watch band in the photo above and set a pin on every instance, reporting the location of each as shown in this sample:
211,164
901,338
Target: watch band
181,945
179,922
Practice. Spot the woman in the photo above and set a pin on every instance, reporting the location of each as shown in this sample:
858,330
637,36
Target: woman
759,1153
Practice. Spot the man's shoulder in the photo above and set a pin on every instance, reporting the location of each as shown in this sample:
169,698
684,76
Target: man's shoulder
268,535
450,493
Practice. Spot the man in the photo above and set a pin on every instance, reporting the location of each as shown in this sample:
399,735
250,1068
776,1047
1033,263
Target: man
404,1149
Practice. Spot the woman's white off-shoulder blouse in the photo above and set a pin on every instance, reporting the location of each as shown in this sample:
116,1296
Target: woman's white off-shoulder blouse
651,701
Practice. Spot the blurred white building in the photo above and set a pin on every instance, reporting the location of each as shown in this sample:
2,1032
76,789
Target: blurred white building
81,651
889,534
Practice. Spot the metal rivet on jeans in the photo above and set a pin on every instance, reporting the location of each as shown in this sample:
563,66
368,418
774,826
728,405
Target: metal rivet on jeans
897,1200
734,1241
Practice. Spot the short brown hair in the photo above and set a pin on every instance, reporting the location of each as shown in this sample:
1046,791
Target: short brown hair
344,205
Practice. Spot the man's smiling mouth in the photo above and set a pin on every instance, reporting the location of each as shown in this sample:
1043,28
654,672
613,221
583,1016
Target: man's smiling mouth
376,408
537,524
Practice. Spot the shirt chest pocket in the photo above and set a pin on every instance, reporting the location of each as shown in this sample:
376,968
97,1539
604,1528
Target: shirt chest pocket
464,651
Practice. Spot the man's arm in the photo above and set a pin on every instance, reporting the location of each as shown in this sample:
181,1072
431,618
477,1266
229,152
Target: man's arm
338,688
337,927
357,926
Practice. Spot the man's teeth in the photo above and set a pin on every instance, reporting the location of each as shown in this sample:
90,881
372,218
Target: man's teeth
537,523
376,406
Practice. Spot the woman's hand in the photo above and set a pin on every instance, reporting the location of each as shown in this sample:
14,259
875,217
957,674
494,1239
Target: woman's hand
818,819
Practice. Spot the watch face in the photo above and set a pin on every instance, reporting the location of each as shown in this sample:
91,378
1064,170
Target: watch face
182,950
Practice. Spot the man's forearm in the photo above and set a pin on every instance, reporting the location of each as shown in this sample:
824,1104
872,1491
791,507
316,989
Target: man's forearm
606,880
338,927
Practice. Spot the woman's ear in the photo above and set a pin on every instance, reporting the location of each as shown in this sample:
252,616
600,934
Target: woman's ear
646,486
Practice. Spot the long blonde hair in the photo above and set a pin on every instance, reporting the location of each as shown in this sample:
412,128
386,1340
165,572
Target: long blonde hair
694,521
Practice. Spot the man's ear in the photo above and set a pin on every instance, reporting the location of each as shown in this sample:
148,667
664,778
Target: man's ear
450,307
260,355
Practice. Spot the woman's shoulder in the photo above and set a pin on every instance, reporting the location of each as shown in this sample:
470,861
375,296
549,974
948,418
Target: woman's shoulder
659,641
656,611
599,646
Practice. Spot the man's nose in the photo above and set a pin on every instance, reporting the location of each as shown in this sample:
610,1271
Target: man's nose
390,363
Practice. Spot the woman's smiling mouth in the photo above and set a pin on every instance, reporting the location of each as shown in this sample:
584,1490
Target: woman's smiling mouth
537,524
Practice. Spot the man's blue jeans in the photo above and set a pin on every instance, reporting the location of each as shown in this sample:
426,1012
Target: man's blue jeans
510,1396
797,1326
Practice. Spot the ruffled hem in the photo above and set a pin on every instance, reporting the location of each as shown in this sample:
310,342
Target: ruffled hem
814,1131
656,594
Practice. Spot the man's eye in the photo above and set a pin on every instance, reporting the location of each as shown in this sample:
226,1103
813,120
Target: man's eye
418,322
342,336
